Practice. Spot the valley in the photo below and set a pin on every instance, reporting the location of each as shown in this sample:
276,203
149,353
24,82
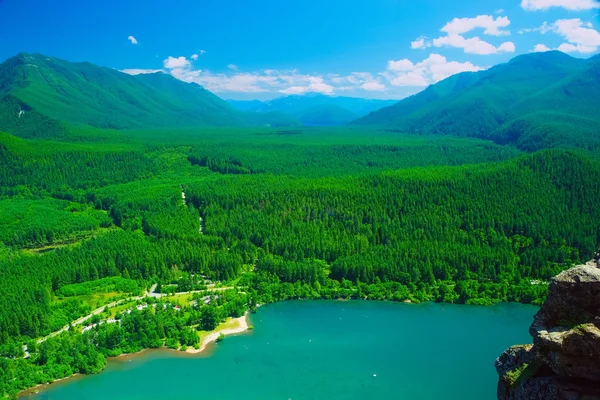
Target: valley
144,212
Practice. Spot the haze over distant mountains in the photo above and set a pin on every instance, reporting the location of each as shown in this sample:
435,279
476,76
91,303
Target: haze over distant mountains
39,93
313,109
535,101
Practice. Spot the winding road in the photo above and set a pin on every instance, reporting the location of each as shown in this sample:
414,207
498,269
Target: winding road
150,293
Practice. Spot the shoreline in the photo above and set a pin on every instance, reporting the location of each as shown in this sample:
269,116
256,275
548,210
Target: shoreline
242,327
41,386
211,337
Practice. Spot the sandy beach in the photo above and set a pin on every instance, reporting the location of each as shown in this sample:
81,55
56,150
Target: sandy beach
240,326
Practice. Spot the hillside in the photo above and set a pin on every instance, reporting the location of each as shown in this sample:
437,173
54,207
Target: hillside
39,93
316,109
534,101
317,213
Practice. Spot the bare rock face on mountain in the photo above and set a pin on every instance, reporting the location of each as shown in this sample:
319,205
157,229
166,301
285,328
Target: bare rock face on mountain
564,360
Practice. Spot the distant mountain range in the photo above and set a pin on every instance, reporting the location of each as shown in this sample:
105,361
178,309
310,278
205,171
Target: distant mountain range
314,109
535,101
39,94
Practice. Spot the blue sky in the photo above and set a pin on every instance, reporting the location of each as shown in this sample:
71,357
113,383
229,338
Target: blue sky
265,48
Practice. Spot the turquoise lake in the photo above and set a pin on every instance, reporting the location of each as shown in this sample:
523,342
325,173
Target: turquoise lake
331,350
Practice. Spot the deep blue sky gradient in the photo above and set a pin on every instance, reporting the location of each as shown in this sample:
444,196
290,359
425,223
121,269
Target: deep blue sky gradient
315,37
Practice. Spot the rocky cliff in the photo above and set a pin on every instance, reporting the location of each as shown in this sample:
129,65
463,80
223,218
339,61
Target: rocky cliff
564,360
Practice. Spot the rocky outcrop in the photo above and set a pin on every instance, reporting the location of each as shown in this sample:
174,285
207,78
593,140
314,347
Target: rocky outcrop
564,361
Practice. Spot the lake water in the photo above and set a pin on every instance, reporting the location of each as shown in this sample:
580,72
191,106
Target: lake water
329,350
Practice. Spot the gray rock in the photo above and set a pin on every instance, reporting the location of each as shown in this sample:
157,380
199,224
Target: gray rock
573,298
553,388
573,352
513,358
564,361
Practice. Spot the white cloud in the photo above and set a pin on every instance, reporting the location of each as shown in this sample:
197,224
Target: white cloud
132,40
507,47
585,39
491,26
500,11
356,80
139,71
336,78
580,36
401,66
431,70
294,90
373,86
316,87
420,43
411,78
233,67
541,48
545,28
574,48
573,5
398,74
241,83
284,81
202,52
473,45
194,57
321,88
316,84
179,62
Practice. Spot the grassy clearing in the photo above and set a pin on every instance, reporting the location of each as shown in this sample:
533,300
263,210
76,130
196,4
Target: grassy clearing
121,307
74,240
95,300
181,299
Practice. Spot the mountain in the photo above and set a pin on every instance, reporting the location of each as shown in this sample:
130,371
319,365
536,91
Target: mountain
38,94
316,109
325,115
247,105
535,101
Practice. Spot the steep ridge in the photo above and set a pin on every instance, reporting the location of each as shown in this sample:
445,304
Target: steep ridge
564,360
535,101
82,93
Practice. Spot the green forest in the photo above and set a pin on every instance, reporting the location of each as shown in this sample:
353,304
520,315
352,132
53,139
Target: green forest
532,102
315,213
117,235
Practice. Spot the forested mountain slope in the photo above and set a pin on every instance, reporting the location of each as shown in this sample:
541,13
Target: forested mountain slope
535,101
39,93
314,109
433,214
282,214
474,233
